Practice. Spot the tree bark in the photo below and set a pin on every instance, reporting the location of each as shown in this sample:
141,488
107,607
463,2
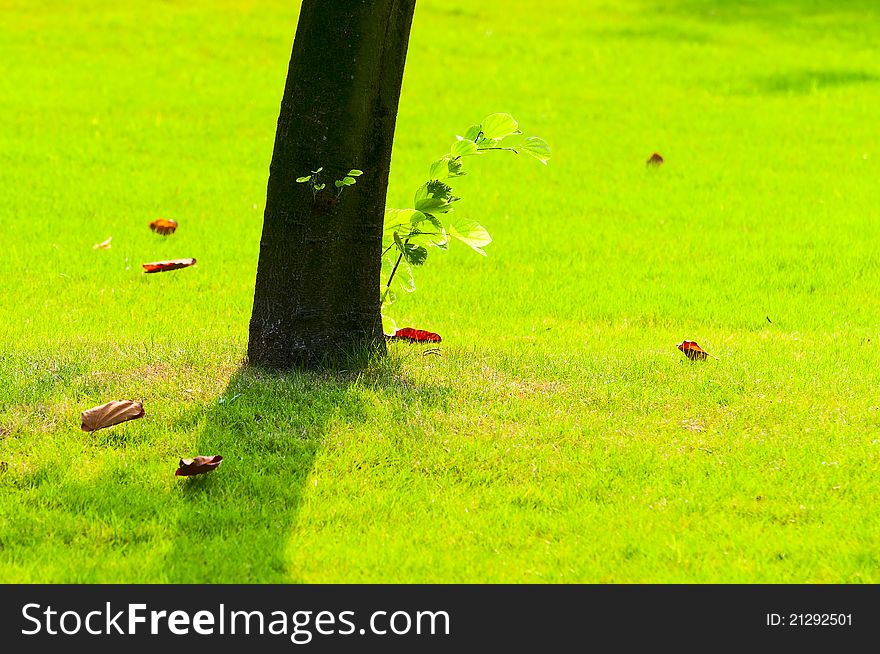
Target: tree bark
317,286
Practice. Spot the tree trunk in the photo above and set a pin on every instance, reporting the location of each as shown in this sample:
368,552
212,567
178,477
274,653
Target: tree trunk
317,286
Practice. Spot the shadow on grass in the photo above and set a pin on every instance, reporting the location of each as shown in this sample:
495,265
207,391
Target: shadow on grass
769,12
235,524
808,81
79,508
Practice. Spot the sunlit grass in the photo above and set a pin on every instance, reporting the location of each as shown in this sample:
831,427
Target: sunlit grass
560,436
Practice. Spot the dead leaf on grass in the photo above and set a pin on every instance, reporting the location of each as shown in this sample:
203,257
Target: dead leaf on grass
654,160
693,351
415,336
164,226
198,465
111,413
170,264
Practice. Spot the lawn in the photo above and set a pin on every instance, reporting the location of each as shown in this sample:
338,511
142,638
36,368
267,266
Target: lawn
559,436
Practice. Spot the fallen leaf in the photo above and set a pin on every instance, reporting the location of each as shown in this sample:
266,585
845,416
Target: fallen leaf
163,226
655,160
103,245
415,336
171,264
110,414
693,351
198,465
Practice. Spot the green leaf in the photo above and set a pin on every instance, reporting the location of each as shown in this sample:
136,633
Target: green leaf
388,296
434,197
455,169
435,222
484,143
387,267
315,172
348,181
537,147
391,218
338,183
389,327
422,191
445,167
437,189
403,277
473,132
441,241
320,187
433,205
439,169
300,180
463,148
497,126
412,254
402,218
421,234
415,254
471,233
436,235
354,172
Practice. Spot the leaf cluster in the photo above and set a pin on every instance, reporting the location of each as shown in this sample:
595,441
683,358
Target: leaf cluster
409,233
314,180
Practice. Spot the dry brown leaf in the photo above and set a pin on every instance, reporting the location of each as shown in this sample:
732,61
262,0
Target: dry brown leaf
198,465
103,245
111,414
654,160
164,226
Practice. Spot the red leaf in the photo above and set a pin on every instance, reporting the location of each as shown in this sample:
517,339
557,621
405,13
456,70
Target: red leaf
693,351
654,160
198,465
163,226
171,264
415,336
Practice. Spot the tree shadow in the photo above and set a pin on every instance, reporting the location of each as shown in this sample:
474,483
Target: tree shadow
235,523
105,507
268,427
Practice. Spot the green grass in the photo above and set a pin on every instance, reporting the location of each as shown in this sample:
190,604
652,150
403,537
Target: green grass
560,437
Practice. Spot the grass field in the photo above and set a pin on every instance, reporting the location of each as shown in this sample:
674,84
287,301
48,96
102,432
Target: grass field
561,436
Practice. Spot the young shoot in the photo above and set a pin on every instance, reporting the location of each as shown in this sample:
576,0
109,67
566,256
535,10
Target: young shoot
410,232
312,180
317,186
348,180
